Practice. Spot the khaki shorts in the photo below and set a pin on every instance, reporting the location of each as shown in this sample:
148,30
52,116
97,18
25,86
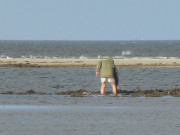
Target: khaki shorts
109,79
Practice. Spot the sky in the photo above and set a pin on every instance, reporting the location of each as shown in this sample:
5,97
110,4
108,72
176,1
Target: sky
89,20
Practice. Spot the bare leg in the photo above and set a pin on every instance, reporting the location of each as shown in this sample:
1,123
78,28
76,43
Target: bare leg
114,88
103,85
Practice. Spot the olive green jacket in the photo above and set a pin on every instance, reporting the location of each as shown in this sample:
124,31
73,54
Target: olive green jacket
107,68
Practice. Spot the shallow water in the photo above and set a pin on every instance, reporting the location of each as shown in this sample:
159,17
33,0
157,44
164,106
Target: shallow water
27,114
53,80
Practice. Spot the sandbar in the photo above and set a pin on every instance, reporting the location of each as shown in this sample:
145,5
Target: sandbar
28,62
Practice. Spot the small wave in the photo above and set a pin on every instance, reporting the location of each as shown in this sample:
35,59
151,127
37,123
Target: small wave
4,56
125,56
101,57
83,57
125,53
150,58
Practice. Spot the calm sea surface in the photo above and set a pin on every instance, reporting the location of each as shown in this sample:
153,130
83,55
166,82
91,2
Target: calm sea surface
61,79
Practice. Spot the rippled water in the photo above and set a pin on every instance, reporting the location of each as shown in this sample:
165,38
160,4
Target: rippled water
61,79
90,49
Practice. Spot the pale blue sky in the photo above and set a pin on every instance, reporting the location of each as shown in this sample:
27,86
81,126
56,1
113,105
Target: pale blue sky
89,19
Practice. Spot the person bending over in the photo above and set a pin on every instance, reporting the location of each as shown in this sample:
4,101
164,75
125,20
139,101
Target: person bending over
108,73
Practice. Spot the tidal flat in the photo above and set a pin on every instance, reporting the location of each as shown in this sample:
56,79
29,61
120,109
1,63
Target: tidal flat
97,115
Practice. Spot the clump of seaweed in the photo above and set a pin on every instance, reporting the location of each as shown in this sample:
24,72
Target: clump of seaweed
7,92
156,93
30,92
78,93
124,93
175,92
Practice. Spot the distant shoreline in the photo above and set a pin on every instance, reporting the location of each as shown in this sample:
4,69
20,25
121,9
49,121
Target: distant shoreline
140,63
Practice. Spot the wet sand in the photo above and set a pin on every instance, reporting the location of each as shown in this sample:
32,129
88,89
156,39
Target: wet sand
18,62
65,115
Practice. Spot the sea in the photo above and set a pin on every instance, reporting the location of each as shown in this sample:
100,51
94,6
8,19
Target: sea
53,80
